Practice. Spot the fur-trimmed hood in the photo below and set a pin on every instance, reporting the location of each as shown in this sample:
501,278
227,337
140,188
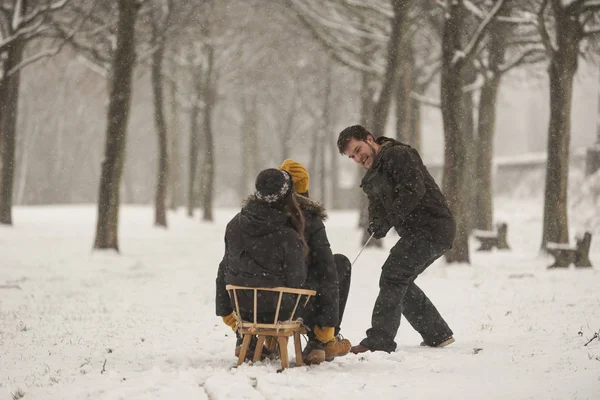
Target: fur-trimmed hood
311,206
307,205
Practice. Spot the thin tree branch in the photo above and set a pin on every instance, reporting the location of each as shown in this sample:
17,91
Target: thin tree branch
471,48
94,66
39,10
55,51
530,56
334,49
381,8
591,31
543,30
593,337
474,86
425,100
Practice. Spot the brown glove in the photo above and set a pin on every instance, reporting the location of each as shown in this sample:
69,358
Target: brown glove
230,321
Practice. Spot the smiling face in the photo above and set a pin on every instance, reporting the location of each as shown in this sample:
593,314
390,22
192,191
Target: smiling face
362,152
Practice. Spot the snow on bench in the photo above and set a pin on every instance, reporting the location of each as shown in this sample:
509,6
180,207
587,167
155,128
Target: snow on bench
565,254
559,246
481,233
491,239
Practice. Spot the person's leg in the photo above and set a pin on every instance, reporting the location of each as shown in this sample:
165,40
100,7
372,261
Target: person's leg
323,342
344,272
407,259
422,315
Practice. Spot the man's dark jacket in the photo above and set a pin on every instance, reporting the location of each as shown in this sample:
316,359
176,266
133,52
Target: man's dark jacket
261,250
404,195
322,272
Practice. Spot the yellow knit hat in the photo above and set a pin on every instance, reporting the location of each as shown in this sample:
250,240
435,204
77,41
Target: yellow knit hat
299,175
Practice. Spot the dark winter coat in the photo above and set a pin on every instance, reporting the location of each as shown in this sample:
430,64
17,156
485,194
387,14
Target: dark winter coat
261,250
403,195
322,273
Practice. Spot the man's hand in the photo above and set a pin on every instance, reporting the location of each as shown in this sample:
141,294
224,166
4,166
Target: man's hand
378,228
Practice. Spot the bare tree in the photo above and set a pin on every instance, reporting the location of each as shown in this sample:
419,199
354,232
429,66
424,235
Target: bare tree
159,20
118,112
21,21
353,33
573,22
194,67
455,58
397,48
210,98
174,168
512,43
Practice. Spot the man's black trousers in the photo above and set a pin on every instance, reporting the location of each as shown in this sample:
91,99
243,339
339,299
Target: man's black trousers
398,294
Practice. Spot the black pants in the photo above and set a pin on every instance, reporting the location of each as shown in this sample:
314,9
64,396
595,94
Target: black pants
344,272
398,294
313,310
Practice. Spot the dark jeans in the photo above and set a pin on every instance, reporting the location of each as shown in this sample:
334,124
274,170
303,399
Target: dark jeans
344,274
398,294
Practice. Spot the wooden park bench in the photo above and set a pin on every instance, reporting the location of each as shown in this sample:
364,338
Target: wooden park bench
565,254
281,330
490,239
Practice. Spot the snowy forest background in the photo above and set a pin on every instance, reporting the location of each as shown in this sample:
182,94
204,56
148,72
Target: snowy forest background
62,109
202,95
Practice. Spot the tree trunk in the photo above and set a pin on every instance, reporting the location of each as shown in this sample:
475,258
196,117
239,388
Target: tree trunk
321,170
286,136
193,155
486,124
592,161
324,137
335,185
415,126
484,212
175,157
254,148
209,159
248,138
367,105
9,100
160,212
404,103
116,128
334,169
453,113
314,151
563,65
394,50
468,123
249,147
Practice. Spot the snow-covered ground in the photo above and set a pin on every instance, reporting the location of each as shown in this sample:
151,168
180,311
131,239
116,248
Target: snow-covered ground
79,324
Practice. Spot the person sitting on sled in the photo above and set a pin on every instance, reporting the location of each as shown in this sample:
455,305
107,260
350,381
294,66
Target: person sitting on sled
264,247
328,274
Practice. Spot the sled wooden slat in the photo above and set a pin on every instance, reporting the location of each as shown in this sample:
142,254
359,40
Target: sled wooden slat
279,330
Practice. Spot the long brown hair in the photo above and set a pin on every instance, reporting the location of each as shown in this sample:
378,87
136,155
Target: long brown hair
297,219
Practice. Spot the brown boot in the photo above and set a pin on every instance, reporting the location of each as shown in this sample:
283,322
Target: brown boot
359,348
336,348
313,353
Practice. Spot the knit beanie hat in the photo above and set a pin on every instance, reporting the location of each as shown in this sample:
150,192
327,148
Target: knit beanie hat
273,185
299,174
